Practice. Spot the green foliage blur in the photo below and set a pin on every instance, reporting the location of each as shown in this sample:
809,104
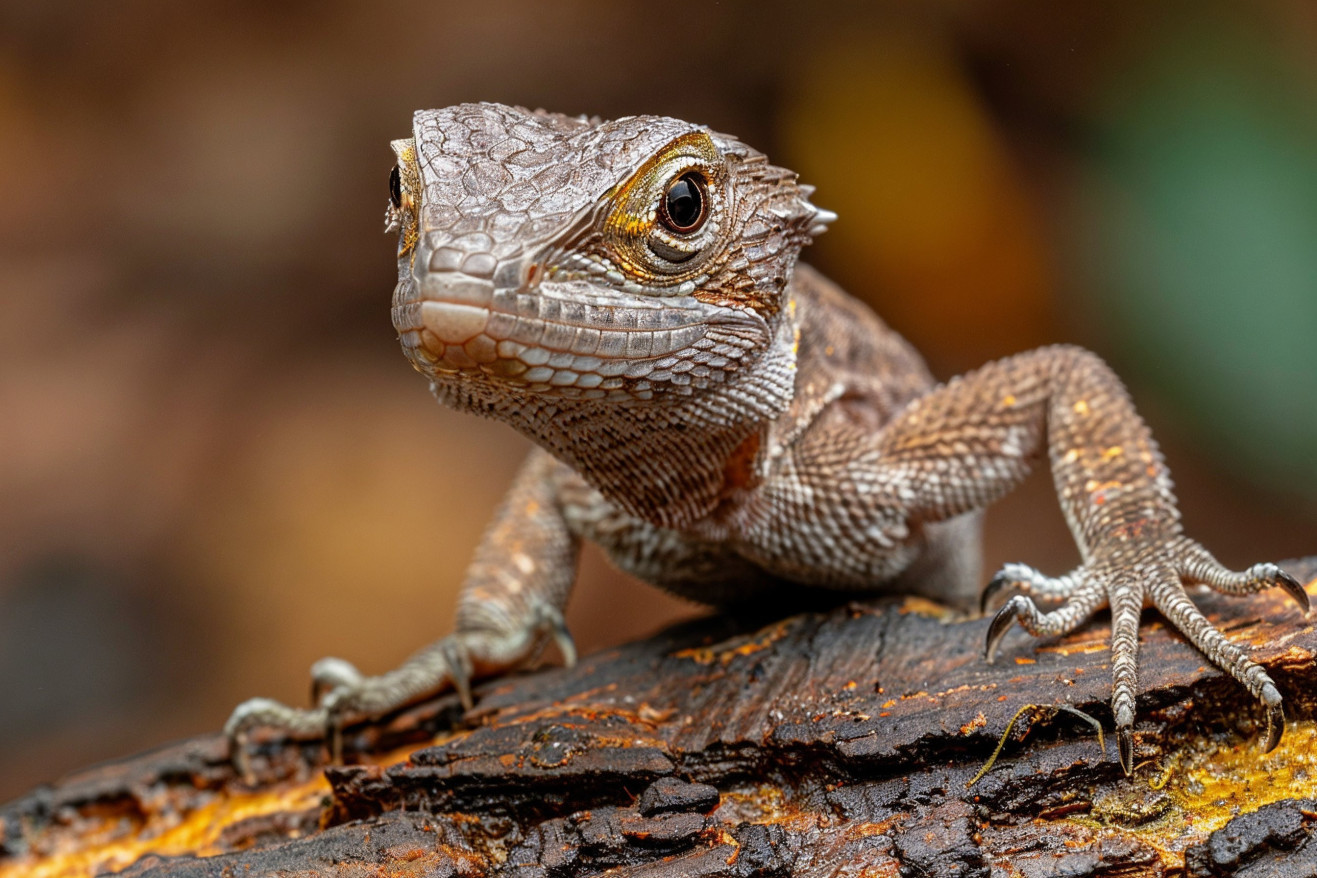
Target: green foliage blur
1199,252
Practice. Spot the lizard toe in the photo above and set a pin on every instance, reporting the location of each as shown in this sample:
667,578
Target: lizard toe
996,586
330,674
1293,588
256,712
1125,746
1271,699
1017,607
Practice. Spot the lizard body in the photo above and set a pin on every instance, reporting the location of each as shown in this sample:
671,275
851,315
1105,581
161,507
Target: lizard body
725,422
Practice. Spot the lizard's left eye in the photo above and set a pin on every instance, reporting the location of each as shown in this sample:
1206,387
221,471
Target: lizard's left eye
395,188
667,220
684,206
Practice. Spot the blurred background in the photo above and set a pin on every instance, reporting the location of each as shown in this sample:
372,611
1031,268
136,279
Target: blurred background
216,466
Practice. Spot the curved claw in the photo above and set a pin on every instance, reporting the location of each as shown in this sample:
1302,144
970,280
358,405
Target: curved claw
998,584
1294,589
1000,624
563,639
459,671
1275,717
549,619
1125,745
329,674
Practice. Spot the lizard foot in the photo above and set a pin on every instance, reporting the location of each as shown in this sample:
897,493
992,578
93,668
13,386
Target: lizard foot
343,696
1158,576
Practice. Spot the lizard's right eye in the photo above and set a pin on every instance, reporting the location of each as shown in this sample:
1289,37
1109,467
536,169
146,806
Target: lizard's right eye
395,188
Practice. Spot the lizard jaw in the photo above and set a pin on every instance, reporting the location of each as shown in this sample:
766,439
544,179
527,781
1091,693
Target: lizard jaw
565,340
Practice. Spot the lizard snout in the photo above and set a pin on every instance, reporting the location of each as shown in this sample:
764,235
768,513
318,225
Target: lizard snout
443,319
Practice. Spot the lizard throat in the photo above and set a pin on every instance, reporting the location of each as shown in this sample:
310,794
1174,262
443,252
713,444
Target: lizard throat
660,443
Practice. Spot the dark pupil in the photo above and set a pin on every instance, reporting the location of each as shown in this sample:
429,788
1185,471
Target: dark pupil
395,187
685,203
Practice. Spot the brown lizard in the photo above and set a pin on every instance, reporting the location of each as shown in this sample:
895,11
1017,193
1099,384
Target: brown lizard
724,421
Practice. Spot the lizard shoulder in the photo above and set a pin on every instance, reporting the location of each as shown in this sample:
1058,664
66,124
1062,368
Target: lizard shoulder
846,355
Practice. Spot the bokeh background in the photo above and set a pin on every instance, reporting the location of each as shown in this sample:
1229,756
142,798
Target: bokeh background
216,466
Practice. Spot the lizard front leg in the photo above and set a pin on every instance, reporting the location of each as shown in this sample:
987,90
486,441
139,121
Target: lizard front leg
511,604
966,443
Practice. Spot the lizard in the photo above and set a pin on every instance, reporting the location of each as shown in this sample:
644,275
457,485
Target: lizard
726,423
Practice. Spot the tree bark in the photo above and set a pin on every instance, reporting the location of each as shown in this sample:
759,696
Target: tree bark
836,742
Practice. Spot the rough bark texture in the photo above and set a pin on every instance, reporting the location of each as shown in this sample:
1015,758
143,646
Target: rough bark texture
826,743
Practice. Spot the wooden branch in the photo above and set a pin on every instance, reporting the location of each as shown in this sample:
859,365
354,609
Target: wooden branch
823,743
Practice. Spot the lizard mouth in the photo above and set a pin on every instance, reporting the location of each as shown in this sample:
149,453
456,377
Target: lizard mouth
567,340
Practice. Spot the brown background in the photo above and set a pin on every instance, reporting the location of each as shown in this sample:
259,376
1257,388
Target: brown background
215,466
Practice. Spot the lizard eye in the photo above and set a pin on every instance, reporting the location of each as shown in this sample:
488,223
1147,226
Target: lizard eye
684,206
395,188
664,222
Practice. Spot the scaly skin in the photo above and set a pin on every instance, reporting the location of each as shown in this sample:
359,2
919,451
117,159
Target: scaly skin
725,422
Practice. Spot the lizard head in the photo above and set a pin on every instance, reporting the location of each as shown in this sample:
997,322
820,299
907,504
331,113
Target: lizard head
573,259
616,291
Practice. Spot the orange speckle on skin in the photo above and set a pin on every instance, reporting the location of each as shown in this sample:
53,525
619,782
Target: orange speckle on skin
1081,407
1113,451
1024,660
1098,490
1008,400
1131,530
